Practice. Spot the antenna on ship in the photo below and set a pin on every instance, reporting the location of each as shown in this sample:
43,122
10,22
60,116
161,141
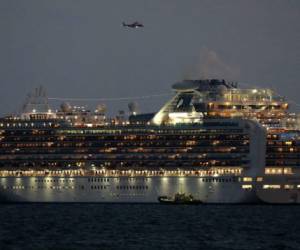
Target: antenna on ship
133,108
36,104
110,98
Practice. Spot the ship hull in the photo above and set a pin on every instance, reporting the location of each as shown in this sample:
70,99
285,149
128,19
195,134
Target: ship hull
279,190
122,189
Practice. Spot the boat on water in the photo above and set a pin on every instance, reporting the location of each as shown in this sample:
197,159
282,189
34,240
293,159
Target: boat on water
179,198
224,143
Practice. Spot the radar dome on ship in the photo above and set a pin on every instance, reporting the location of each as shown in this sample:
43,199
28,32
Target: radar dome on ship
66,107
221,88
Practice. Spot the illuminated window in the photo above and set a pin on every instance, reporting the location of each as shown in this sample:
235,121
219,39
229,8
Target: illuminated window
287,171
267,186
288,186
273,170
259,179
247,179
247,186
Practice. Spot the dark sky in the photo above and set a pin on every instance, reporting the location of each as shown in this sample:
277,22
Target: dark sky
77,48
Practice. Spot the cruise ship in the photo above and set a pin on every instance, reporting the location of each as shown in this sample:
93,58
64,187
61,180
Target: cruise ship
212,140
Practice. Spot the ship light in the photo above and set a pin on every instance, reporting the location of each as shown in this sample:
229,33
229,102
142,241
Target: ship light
181,179
288,186
259,179
247,179
267,186
287,171
254,91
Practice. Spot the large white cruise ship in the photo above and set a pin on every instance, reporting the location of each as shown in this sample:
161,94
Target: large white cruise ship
212,140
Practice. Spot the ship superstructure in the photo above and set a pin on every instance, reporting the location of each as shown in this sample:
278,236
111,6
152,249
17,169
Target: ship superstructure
212,139
195,99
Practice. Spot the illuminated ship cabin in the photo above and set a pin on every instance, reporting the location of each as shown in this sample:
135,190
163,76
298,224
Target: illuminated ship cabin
53,144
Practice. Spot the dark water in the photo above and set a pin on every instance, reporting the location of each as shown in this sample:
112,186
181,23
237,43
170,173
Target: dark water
116,226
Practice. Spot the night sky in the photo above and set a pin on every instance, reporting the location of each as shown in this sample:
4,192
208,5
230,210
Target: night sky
79,49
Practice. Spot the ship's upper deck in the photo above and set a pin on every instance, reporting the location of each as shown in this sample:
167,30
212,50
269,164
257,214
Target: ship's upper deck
193,101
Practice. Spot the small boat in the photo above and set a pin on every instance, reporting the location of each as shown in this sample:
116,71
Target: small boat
179,198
